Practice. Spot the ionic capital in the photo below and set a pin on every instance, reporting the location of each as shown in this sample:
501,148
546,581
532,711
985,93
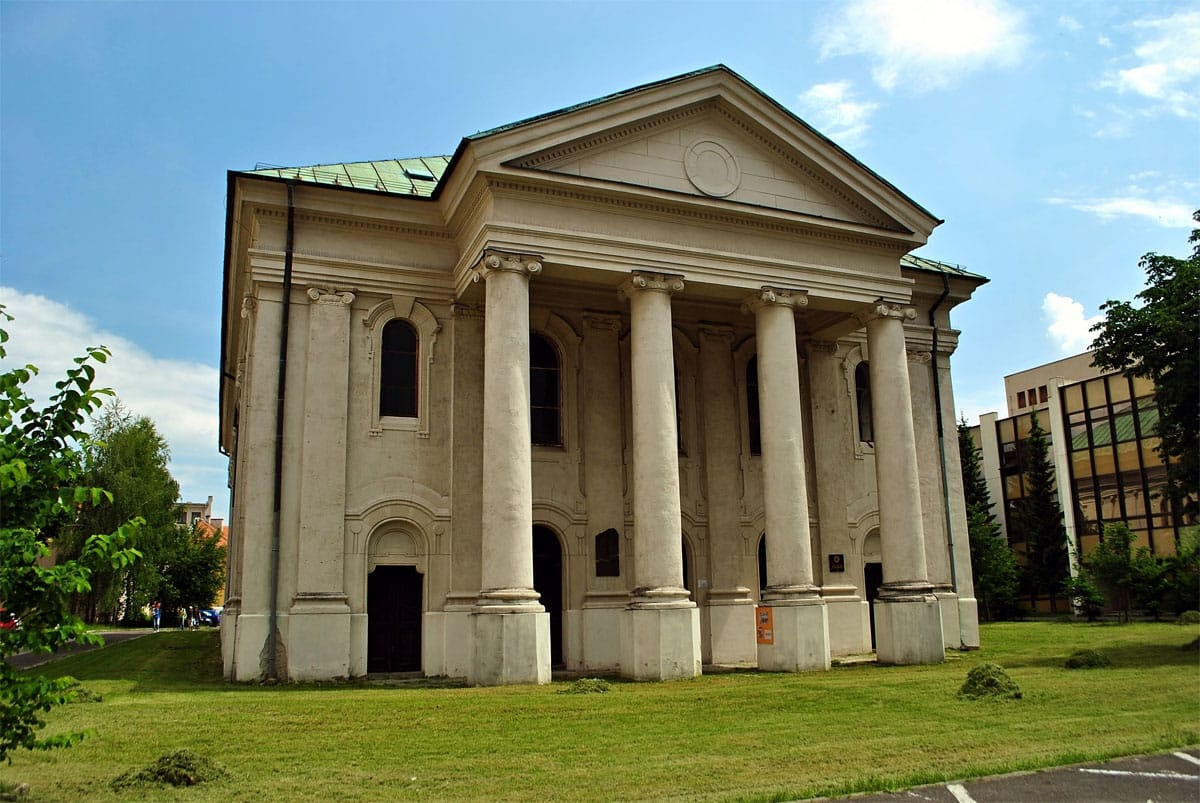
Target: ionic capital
717,332
498,262
460,310
602,321
921,356
320,296
658,282
249,305
769,296
884,309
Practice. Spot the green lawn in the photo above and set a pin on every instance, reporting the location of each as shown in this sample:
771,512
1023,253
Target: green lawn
742,736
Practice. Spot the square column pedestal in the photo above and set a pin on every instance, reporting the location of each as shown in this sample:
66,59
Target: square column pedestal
660,643
318,638
510,648
800,636
908,630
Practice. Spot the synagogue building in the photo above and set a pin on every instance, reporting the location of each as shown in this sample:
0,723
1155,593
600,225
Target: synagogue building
642,385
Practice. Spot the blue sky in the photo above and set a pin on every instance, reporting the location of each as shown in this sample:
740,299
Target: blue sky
1059,141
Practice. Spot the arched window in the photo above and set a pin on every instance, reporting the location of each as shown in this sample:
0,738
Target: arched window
862,387
752,406
545,396
398,370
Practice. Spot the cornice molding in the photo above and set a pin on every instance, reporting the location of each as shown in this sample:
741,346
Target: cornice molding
355,224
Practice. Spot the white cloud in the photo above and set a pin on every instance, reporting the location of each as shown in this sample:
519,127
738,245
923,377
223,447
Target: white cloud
1166,67
180,397
834,109
1103,41
926,44
1165,213
1069,23
1067,326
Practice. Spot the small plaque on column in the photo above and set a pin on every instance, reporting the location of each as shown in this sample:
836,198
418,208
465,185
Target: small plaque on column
837,563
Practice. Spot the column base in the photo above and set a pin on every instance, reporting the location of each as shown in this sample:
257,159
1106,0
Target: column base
510,648
318,637
968,623
660,643
801,637
908,630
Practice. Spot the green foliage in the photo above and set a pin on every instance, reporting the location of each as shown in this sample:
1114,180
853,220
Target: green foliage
1041,519
586,686
1082,590
128,457
191,567
39,482
1130,576
181,768
993,564
989,681
1086,659
1181,573
1157,340
1189,618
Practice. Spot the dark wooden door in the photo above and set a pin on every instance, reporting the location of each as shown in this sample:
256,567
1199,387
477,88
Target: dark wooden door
872,579
394,597
547,580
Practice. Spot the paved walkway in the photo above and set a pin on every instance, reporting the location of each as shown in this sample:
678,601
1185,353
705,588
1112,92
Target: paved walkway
1166,778
28,660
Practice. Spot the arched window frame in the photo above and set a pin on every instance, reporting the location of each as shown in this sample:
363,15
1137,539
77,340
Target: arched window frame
566,341
544,373
856,354
427,328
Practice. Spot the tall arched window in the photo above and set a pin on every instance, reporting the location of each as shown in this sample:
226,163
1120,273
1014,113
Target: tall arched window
862,388
752,406
398,370
545,396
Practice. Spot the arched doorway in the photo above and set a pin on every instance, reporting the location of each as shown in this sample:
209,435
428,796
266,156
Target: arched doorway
687,568
872,576
548,581
394,607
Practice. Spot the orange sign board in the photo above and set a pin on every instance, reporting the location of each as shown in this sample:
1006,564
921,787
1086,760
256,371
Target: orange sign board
764,625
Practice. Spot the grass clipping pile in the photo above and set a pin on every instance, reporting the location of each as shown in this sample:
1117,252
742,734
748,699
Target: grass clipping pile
989,681
181,768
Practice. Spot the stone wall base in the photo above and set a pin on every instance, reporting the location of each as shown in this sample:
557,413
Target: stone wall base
732,633
318,638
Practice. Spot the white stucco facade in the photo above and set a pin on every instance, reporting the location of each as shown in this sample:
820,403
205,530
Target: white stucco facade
696,276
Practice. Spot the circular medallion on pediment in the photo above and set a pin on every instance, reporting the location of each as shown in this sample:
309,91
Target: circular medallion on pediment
711,168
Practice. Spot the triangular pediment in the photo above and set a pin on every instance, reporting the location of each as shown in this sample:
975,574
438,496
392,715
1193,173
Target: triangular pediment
710,150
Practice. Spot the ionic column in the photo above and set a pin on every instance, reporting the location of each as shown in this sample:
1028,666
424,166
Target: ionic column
512,629
800,626
661,631
907,617
319,627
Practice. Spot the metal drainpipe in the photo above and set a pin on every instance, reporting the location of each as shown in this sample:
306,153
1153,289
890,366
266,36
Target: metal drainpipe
941,431
280,395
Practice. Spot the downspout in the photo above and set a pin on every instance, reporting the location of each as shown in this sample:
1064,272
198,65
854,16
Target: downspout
280,394
941,430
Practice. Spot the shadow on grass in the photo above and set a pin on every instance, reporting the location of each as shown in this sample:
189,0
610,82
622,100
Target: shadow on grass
1123,656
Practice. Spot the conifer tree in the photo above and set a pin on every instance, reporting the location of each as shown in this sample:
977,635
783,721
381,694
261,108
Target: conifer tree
1041,519
993,565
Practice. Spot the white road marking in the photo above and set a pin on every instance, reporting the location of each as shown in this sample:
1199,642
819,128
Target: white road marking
1188,757
960,793
1131,774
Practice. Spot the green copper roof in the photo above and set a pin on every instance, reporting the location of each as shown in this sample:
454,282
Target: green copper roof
932,265
414,178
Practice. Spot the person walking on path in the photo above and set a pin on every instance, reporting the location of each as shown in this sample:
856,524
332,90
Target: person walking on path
155,614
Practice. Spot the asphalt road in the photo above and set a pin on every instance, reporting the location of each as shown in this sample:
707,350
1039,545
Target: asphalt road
28,660
1166,778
